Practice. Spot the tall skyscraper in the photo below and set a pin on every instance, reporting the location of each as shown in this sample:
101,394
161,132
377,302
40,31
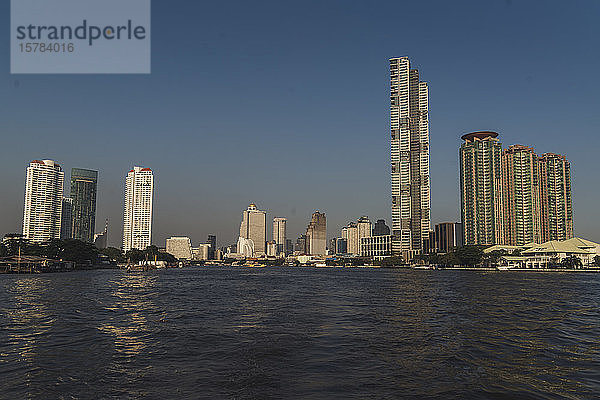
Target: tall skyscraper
556,206
481,186
520,195
409,106
254,228
66,218
43,201
84,183
316,235
280,233
137,216
212,241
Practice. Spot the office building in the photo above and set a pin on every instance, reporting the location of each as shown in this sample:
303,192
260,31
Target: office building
254,228
376,247
212,241
137,215
280,233
43,201
448,236
409,98
301,245
380,228
66,219
341,246
84,184
365,227
350,233
481,185
272,249
179,247
316,235
556,206
289,247
201,253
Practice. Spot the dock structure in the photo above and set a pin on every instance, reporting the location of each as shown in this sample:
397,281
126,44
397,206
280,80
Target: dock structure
32,265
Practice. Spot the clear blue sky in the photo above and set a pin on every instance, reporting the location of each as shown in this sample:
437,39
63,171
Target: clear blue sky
286,104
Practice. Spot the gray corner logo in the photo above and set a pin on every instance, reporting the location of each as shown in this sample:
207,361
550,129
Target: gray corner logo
80,36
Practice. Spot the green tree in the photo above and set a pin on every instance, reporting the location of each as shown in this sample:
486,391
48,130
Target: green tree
393,261
3,250
114,254
597,261
135,255
449,259
493,258
572,262
470,255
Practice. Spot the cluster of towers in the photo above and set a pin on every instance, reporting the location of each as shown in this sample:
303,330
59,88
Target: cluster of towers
49,215
513,196
510,196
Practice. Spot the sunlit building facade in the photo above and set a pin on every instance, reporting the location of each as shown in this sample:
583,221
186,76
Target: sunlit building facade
43,201
254,228
137,216
481,188
556,205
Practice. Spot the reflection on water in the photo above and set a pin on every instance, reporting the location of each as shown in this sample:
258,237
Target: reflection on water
130,306
299,333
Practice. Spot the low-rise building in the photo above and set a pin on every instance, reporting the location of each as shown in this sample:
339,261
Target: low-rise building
179,247
376,246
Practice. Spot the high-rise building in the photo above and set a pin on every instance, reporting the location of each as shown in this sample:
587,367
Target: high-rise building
365,227
341,246
520,195
279,233
137,216
556,206
380,228
316,235
254,228
66,218
448,236
212,241
481,185
84,183
289,247
409,98
301,244
179,247
43,201
350,233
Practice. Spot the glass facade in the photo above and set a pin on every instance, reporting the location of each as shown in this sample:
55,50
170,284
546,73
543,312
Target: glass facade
84,183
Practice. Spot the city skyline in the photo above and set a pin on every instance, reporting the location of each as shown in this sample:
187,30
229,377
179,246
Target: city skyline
328,115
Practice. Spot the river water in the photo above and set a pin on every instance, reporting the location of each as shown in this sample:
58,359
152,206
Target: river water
299,333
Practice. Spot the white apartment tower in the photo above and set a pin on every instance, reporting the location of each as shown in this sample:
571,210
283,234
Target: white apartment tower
279,233
137,216
409,104
43,201
254,228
